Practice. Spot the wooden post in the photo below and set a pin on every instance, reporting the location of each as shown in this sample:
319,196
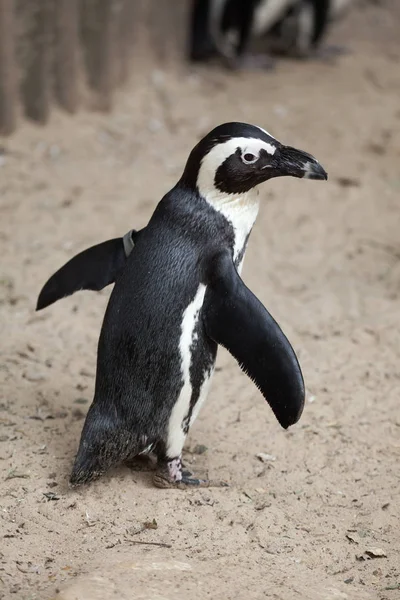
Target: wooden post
101,20
180,13
36,83
167,24
125,37
158,22
66,53
8,95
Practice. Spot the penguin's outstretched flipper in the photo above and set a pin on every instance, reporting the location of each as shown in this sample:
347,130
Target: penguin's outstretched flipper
236,319
92,269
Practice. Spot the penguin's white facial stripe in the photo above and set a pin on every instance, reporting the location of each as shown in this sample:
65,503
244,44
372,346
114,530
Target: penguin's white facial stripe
217,156
240,209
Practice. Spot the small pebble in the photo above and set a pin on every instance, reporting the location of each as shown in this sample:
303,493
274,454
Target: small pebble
33,375
266,457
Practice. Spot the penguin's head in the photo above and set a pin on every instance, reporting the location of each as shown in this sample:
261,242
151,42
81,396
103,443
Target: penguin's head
236,157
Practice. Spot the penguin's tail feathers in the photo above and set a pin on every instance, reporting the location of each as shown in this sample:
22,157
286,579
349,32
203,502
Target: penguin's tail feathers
102,446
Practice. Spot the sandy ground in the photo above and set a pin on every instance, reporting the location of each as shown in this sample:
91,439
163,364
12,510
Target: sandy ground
324,258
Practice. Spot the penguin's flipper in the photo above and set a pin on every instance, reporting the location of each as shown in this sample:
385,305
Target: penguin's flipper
236,319
92,269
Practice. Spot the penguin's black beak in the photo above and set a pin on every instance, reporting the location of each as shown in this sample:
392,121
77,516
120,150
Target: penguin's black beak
296,163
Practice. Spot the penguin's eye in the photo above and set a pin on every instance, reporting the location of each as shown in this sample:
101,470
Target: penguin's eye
249,158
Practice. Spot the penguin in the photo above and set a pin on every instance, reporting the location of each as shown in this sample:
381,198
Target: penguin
224,28
302,29
291,27
177,298
232,27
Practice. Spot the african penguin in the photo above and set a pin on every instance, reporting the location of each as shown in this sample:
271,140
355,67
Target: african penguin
292,27
303,27
224,27
176,298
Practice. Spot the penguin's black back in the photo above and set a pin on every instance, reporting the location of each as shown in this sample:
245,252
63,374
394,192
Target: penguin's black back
139,375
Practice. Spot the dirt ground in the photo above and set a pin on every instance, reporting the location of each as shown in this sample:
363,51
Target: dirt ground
325,260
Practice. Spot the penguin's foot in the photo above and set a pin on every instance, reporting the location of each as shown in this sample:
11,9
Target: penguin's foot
147,463
251,62
169,474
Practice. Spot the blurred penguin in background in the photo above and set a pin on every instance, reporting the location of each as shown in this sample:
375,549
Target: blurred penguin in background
302,29
226,29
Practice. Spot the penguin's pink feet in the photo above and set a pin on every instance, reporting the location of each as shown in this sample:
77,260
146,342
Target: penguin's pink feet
169,474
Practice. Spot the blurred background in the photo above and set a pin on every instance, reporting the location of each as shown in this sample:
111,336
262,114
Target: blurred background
100,103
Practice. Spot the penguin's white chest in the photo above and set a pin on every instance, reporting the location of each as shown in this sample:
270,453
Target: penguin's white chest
241,212
176,433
